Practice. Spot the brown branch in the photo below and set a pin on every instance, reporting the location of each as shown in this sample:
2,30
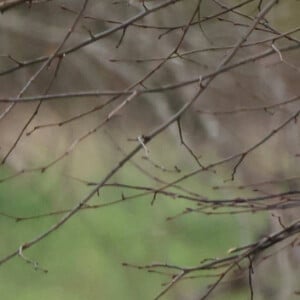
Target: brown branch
35,76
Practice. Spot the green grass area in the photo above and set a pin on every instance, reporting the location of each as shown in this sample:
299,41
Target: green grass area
84,258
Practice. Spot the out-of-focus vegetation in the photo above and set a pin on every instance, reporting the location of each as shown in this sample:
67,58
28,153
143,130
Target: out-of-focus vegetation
54,152
84,260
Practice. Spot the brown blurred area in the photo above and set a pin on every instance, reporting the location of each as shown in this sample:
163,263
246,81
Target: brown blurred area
224,121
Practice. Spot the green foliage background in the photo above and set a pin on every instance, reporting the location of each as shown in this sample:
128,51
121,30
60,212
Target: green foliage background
84,258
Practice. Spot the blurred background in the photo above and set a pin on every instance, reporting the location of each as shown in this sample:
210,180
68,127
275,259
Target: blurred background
54,151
